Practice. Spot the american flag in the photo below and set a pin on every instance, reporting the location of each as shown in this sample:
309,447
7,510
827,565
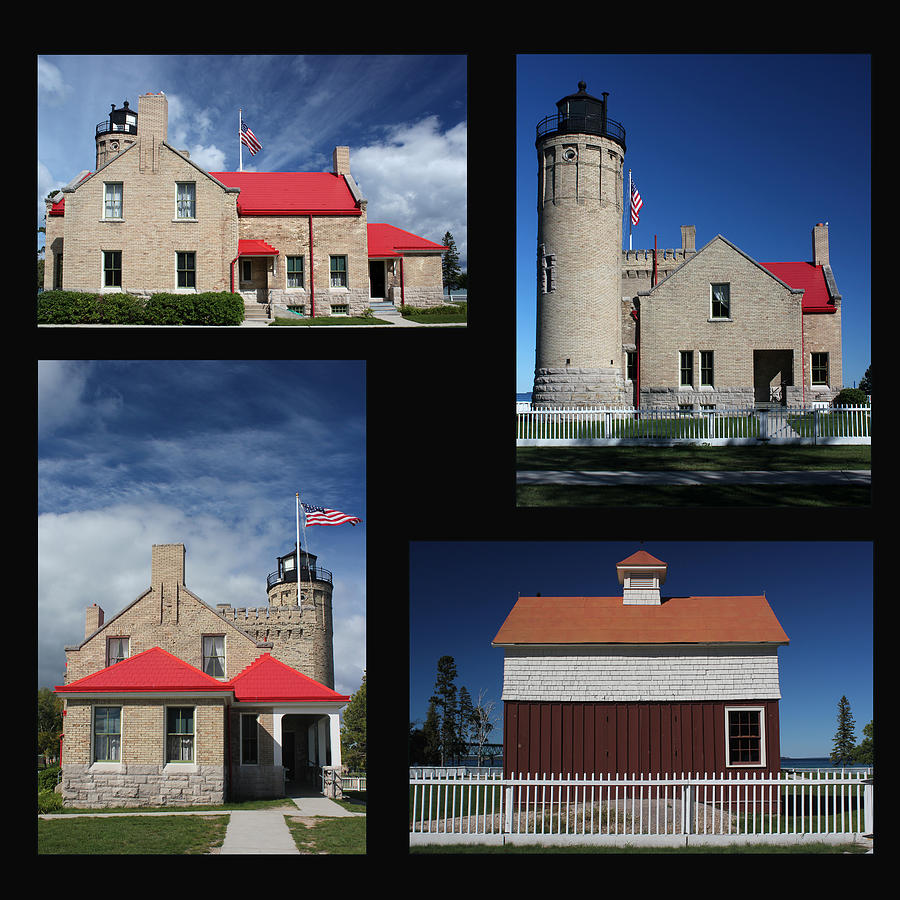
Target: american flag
636,204
317,515
248,139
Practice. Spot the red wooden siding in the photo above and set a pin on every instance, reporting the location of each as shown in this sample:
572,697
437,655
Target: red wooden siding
546,738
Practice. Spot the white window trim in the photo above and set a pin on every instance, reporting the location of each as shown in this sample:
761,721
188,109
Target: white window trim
108,765
762,737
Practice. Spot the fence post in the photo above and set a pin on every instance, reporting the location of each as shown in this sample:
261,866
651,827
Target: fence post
869,801
507,819
687,803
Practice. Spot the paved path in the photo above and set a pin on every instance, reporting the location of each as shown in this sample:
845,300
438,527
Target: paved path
836,476
258,831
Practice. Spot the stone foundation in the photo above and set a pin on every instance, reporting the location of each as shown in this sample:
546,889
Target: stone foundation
573,386
112,785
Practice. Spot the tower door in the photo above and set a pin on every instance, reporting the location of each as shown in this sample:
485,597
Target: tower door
376,279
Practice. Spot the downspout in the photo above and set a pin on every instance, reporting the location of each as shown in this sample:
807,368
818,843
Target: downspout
637,345
312,283
232,271
402,293
802,356
228,743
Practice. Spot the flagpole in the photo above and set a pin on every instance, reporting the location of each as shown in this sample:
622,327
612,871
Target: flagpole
241,149
629,209
298,547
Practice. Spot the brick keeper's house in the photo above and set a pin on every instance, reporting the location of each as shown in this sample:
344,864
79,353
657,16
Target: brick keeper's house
149,219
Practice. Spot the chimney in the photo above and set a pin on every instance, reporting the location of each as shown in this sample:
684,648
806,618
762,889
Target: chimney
688,238
340,159
641,575
153,129
820,244
93,619
166,579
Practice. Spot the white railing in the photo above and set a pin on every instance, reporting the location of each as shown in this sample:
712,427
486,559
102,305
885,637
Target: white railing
598,426
832,805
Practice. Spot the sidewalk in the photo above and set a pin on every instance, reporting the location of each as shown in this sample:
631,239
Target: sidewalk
836,476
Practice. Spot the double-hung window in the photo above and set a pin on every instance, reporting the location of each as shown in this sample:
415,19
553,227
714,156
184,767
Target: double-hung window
112,200
720,301
339,271
820,368
686,368
187,270
185,200
706,368
295,271
214,655
116,650
107,733
112,268
179,734
745,743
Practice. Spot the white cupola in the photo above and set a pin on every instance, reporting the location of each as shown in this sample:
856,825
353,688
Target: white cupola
641,575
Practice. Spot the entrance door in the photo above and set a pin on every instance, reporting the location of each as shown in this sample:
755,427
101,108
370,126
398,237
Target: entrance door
376,280
287,753
773,371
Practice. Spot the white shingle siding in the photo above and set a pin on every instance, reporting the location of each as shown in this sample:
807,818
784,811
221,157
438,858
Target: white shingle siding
616,673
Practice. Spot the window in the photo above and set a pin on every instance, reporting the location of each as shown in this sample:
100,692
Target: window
706,368
214,655
820,368
187,270
631,367
340,309
179,734
185,200
744,736
112,200
338,271
249,738
295,271
686,368
116,650
107,733
721,301
548,271
112,268
246,270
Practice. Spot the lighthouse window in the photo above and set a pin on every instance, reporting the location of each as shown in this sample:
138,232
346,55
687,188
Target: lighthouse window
185,200
112,200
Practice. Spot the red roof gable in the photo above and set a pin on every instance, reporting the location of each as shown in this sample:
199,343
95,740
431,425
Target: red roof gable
387,240
810,278
607,620
290,193
268,679
152,670
641,558
255,248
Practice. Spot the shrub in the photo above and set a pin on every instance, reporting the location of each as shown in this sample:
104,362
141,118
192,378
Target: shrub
851,397
49,801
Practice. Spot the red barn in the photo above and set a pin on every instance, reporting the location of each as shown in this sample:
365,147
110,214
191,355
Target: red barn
640,683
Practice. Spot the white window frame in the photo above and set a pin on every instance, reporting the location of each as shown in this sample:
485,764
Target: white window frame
762,738
727,286
120,637
106,762
203,656
107,200
193,201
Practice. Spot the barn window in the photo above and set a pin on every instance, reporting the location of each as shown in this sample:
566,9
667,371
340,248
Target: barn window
745,743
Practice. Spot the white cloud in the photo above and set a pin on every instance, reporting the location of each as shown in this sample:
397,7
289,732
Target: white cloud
51,84
415,179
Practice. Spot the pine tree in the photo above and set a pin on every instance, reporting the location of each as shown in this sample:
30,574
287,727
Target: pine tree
353,731
431,755
450,262
444,699
845,736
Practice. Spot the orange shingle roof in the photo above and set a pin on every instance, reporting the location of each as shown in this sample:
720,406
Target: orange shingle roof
606,620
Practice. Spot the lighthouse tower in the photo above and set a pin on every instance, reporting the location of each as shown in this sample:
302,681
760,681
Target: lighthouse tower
115,134
581,153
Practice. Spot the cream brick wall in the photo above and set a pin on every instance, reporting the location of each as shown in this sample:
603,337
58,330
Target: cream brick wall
676,315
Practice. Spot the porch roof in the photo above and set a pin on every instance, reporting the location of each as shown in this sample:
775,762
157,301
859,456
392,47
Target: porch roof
255,248
388,240
267,679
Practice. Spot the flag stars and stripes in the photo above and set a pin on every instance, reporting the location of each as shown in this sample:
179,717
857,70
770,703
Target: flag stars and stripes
636,204
248,139
318,515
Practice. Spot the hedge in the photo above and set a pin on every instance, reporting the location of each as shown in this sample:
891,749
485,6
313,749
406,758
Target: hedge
76,308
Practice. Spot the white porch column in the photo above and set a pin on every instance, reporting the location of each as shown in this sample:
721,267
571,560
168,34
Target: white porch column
323,741
335,723
276,734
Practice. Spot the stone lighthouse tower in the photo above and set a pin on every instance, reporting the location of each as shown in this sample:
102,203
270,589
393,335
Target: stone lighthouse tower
115,134
581,153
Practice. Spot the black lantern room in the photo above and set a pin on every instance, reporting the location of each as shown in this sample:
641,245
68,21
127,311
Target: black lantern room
287,569
581,113
123,120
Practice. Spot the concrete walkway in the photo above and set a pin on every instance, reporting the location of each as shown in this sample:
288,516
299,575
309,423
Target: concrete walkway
836,476
258,831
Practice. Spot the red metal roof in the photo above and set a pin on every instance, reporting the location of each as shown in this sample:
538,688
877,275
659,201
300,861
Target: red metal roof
387,240
808,277
267,679
255,248
290,193
606,620
152,670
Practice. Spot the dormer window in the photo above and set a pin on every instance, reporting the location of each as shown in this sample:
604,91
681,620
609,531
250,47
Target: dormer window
214,655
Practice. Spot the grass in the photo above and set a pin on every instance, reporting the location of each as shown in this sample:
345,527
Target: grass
329,836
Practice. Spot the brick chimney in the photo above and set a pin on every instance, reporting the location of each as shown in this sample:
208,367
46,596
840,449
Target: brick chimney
340,159
93,619
166,576
688,238
820,244
153,129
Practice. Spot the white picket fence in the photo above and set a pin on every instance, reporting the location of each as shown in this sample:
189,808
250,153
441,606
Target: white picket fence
610,426
826,805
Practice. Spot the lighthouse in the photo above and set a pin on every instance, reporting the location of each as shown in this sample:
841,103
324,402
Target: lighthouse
581,153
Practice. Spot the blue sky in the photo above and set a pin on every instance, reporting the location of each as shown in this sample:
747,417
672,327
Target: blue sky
403,117
206,453
821,593
758,148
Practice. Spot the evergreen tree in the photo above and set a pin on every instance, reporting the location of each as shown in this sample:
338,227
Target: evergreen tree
864,752
466,712
845,736
445,700
450,262
431,754
353,731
